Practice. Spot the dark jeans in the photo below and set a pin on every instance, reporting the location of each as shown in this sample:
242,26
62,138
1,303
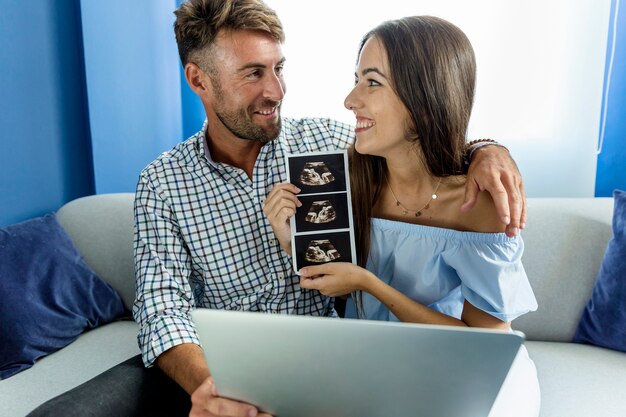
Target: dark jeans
126,390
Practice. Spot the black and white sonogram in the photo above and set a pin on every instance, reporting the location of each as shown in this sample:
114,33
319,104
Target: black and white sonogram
320,251
318,173
315,174
316,249
322,212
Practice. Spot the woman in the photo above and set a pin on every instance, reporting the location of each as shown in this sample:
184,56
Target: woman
425,261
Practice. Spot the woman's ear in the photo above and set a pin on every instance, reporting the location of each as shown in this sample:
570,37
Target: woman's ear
197,79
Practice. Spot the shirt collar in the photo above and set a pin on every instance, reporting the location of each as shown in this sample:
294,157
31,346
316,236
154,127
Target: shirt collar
205,144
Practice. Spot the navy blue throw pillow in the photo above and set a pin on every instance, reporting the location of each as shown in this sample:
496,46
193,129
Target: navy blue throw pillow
603,322
48,294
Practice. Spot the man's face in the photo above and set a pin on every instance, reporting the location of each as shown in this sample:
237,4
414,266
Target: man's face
248,84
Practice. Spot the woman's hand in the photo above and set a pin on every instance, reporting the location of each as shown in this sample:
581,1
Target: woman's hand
279,207
335,278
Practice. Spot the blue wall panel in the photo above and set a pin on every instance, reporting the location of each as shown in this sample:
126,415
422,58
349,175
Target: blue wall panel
193,110
133,87
45,157
611,170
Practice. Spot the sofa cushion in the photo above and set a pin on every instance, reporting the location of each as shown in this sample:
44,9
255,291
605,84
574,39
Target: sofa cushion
579,380
92,353
603,321
48,294
565,240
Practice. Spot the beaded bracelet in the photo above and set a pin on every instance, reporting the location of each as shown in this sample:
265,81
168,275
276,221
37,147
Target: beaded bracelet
475,145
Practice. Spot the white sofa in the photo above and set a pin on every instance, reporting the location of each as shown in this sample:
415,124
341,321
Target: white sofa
101,227
565,242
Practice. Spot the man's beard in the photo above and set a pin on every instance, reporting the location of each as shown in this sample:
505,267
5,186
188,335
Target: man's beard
241,125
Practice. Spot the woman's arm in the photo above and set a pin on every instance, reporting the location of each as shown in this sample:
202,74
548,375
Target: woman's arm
335,279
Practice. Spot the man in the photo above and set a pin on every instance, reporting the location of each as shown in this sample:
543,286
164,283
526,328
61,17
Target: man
201,239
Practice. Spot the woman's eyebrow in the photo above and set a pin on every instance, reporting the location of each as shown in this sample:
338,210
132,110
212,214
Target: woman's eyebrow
372,69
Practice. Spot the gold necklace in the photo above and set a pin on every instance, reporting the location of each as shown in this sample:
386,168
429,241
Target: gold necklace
405,210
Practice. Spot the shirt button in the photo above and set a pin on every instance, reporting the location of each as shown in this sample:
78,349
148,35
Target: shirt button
280,277
272,241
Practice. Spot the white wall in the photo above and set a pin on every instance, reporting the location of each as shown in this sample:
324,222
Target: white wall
540,74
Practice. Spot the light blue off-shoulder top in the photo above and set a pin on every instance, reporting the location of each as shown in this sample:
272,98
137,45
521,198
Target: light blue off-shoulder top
440,268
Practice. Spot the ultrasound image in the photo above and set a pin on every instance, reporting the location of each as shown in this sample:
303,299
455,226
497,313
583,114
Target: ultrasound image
316,174
321,212
320,251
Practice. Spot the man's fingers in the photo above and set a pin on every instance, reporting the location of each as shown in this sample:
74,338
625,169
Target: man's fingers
284,186
282,190
501,201
471,195
522,222
514,191
224,407
206,403
279,199
274,207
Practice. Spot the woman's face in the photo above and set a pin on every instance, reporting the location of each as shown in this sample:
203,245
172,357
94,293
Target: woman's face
381,118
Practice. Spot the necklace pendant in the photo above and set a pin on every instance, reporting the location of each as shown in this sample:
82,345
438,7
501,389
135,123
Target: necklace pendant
433,197
418,213
405,212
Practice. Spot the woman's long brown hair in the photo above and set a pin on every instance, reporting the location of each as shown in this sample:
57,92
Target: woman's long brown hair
433,72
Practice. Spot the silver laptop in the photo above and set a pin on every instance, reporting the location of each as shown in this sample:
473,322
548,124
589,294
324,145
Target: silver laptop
294,366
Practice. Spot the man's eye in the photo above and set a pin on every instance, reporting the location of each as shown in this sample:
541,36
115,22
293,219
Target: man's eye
254,74
279,69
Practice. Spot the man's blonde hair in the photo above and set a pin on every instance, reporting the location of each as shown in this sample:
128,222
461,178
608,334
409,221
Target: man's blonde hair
198,22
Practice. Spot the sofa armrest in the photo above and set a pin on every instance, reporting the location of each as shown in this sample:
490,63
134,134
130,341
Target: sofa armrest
101,227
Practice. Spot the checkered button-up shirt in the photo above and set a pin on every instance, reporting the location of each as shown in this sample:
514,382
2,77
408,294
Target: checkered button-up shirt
202,240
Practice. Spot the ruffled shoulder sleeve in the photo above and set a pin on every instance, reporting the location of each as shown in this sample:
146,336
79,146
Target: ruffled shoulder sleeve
492,276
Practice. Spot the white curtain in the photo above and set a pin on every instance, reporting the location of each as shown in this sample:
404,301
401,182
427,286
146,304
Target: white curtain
540,74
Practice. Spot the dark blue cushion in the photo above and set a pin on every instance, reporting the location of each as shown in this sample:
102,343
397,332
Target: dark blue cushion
48,294
603,321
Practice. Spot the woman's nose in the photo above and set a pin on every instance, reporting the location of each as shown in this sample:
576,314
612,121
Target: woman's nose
350,101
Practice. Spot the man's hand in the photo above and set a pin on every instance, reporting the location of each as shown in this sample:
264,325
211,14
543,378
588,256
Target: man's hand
206,403
279,207
493,170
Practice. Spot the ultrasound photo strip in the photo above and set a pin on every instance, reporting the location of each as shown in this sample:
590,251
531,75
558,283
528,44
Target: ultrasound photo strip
322,228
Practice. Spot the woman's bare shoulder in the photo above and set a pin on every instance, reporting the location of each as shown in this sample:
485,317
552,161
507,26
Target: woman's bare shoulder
482,218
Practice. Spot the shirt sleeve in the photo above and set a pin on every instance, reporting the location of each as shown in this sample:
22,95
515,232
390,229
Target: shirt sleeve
343,133
164,298
493,278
